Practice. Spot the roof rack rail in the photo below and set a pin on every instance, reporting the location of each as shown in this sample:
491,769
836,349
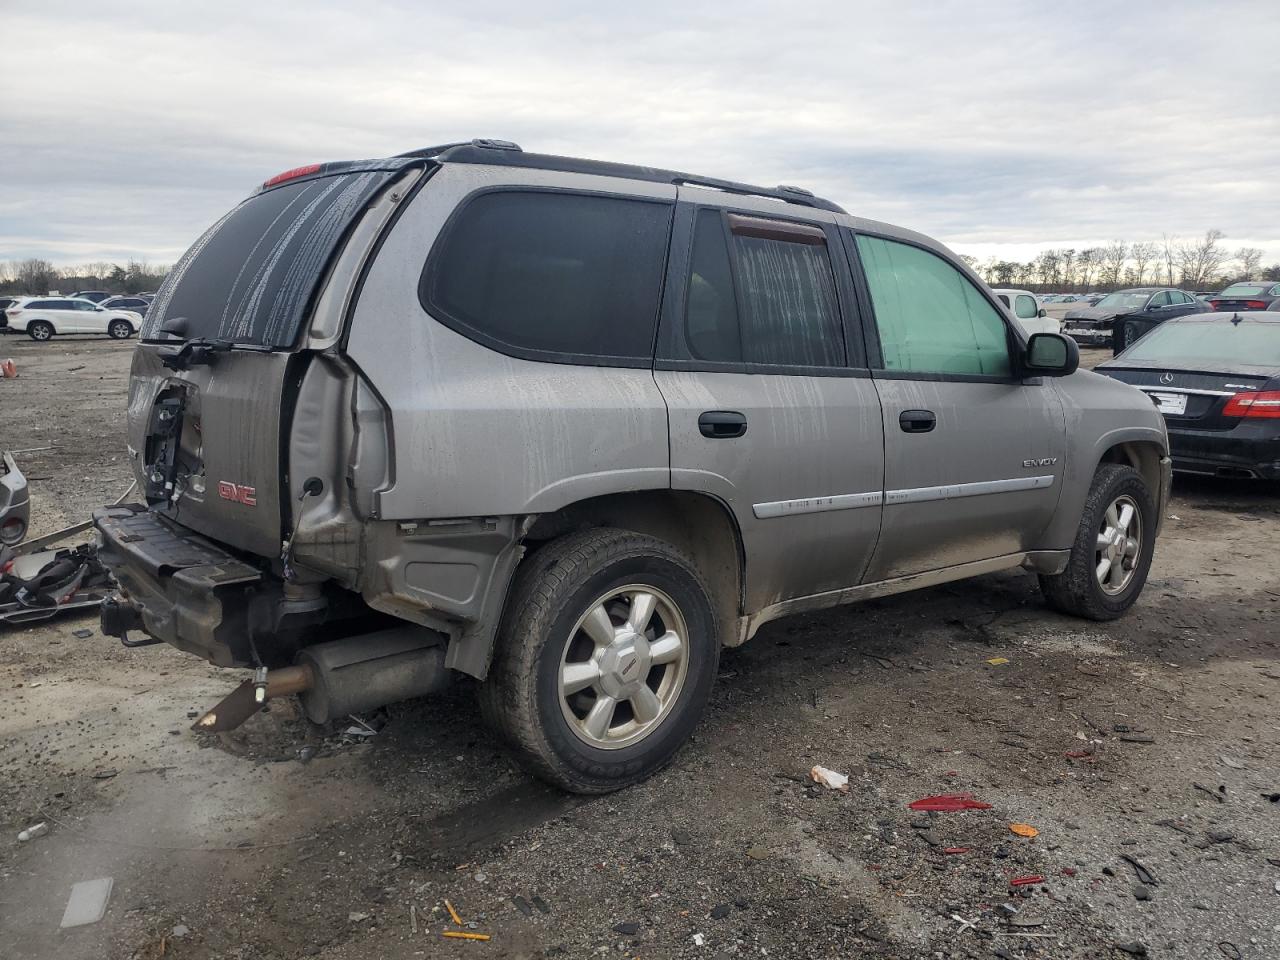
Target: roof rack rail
480,143
509,154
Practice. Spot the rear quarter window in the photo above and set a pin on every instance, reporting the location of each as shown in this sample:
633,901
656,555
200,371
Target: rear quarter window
544,275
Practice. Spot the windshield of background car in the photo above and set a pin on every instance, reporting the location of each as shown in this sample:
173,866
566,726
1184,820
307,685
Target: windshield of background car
1242,290
1219,341
1124,301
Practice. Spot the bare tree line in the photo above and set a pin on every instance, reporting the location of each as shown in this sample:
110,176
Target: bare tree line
39,277
1200,264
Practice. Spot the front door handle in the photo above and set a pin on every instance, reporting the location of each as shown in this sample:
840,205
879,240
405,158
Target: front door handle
917,421
722,424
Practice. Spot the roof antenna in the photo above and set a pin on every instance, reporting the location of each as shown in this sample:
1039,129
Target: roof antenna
1235,319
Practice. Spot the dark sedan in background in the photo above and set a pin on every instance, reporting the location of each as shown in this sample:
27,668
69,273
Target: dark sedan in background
1120,318
1247,295
1216,379
138,305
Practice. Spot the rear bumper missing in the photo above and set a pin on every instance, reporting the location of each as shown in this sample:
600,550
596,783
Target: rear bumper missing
183,589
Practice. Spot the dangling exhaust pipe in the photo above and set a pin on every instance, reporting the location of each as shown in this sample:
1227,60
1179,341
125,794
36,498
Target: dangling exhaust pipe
344,676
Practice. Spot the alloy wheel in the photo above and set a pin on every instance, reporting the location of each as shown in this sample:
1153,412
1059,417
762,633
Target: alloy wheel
623,666
1119,545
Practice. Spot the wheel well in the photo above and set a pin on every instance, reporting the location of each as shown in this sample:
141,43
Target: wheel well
1142,456
699,525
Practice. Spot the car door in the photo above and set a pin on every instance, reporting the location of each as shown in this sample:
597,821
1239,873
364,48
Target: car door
974,453
771,411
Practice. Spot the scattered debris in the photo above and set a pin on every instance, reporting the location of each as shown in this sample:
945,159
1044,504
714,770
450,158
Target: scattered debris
1137,738
699,940
1143,874
541,905
758,853
8,369
32,832
830,779
965,924
82,634
1140,892
413,918
1213,793
523,905
104,774
1218,835
459,935
998,661
720,911
1024,830
949,803
1026,920
955,850
1229,950
87,903
181,931
1231,762
453,914
627,928
1026,881
356,916
1133,948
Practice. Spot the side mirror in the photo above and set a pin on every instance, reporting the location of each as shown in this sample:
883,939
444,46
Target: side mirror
1041,312
1052,355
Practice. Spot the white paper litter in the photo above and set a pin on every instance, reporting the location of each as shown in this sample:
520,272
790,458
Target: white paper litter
87,903
829,779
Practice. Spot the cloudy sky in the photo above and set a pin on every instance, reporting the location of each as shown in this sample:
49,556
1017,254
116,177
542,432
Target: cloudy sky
1001,128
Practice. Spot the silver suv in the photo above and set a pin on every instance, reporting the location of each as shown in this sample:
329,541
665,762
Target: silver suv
572,427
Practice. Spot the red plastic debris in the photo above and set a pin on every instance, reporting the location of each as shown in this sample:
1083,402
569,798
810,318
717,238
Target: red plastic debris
1068,871
949,803
1026,881
956,850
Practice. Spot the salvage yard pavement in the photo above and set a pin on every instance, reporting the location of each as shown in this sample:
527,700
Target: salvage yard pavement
1143,755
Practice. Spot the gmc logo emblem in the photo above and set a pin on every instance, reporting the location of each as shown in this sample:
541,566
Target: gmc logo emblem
238,493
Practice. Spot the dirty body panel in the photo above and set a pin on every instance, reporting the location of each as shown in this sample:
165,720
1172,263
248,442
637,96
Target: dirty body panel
15,506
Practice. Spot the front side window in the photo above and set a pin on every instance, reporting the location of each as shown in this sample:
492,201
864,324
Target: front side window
762,292
1027,308
552,276
1162,299
930,316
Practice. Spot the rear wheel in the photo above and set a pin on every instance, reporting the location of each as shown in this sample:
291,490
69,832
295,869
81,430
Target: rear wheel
1112,553
39,330
605,659
120,329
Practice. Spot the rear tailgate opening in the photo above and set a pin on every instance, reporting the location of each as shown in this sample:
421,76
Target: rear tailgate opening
223,352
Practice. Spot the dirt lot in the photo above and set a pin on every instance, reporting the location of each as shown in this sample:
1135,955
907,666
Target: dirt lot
1150,740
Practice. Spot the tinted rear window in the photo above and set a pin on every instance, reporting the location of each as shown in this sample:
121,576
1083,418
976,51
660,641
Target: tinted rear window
1252,344
252,276
1242,290
552,276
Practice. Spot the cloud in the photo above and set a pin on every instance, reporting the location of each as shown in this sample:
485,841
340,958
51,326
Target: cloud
998,127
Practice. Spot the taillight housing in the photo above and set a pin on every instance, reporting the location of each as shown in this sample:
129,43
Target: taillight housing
1256,304
294,174
1263,403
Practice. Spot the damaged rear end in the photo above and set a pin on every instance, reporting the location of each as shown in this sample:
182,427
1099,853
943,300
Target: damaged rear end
259,447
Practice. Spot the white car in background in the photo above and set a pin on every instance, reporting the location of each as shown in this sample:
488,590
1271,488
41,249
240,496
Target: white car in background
1027,311
43,317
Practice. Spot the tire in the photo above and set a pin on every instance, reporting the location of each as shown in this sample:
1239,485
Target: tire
545,632
40,330
1079,589
120,329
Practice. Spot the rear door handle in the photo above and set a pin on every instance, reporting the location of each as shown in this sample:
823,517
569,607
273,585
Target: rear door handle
917,421
722,424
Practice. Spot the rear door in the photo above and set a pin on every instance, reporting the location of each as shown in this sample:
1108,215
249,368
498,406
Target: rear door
205,428
974,455
771,407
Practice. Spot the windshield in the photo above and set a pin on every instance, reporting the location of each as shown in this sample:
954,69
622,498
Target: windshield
1189,343
1124,301
1241,290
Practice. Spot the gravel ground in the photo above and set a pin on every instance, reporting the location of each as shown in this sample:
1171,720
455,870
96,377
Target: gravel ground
1146,743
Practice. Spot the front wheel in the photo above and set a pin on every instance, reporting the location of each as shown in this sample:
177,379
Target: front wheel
605,659
1112,552
39,330
120,330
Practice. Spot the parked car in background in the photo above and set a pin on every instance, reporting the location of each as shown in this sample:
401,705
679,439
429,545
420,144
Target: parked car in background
677,448
1204,294
1247,295
1216,379
43,317
137,305
1120,318
1027,311
5,304
96,296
